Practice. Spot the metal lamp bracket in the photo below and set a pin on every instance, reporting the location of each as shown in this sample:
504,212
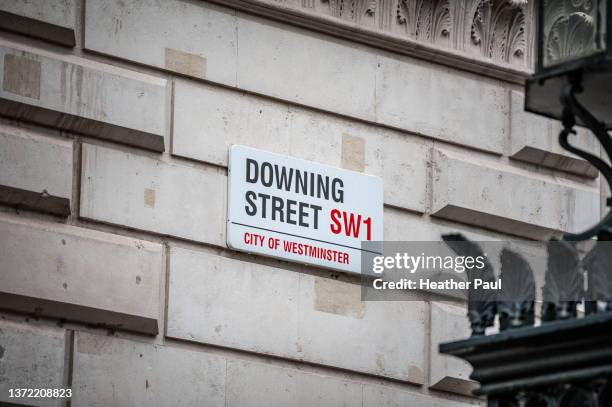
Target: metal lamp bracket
572,109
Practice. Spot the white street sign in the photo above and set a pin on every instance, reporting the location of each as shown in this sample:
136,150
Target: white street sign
301,211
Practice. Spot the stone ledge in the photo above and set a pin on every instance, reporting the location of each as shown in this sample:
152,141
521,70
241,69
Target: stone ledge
35,169
50,20
534,139
95,317
66,94
24,199
509,200
78,274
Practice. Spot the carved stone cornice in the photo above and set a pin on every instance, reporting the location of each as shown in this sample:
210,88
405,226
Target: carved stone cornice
489,37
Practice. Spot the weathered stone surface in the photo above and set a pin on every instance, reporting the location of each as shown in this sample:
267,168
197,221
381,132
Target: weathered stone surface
255,384
222,304
535,139
110,371
78,274
275,60
273,311
209,119
284,59
385,396
449,323
508,199
86,97
145,31
148,194
35,170
51,20
441,103
31,358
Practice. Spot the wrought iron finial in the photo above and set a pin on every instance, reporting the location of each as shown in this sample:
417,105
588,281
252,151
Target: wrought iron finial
516,301
482,304
563,283
598,266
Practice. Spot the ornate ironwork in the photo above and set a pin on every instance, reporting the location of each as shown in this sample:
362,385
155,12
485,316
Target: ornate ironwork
482,304
572,108
566,361
516,302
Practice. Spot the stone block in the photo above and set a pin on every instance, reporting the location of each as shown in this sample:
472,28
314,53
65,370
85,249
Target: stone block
31,357
109,371
35,170
148,194
449,323
535,139
72,273
146,32
508,199
442,103
272,311
50,20
306,68
82,96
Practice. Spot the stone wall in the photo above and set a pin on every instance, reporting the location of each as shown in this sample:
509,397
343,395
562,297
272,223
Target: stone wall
117,116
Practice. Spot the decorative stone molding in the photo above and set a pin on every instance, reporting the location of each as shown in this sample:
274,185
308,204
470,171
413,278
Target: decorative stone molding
569,29
491,37
494,28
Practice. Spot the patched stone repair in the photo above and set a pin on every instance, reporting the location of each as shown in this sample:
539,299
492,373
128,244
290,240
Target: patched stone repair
337,297
21,76
185,63
353,153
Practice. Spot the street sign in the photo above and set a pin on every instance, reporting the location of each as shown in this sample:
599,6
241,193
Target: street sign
301,211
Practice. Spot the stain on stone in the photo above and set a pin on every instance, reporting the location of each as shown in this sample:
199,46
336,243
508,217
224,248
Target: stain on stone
63,242
138,279
185,63
65,286
21,76
1,352
338,297
380,362
218,328
353,153
93,344
60,264
415,375
147,384
149,198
